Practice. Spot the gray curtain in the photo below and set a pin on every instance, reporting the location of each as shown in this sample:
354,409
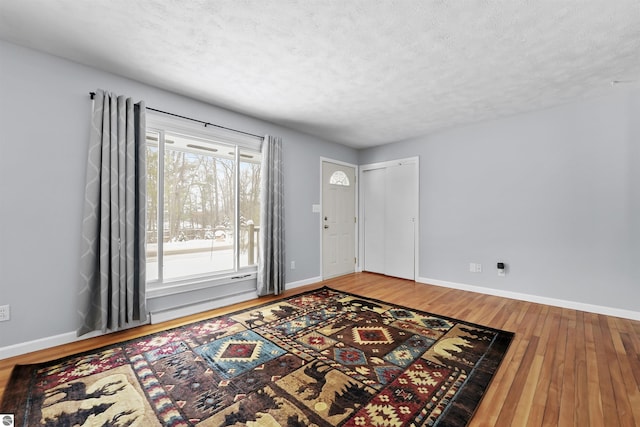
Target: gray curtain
271,256
112,265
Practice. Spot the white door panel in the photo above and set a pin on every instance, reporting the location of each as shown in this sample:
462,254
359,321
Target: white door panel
373,187
390,210
400,221
338,219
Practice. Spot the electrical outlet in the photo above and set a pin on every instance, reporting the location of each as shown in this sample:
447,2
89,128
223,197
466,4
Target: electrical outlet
475,267
5,313
293,265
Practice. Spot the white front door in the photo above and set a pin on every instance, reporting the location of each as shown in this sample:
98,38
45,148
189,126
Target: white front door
338,219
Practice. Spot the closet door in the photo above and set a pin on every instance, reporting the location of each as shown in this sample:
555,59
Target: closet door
373,185
390,214
400,216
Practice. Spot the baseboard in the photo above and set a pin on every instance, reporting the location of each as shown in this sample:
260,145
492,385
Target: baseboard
42,343
157,317
591,308
304,282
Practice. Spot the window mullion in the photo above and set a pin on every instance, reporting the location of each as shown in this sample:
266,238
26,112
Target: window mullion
236,240
160,218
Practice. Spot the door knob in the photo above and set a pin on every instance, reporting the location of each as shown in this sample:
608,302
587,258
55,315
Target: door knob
326,226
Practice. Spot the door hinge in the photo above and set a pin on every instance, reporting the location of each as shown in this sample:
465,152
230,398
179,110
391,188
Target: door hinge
355,220
355,260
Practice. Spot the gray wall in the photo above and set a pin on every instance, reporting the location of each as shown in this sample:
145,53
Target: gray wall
555,194
44,116
634,193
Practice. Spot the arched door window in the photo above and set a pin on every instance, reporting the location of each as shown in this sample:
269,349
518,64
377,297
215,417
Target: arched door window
339,178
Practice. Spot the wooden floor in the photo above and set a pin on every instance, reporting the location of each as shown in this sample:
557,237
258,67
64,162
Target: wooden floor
564,367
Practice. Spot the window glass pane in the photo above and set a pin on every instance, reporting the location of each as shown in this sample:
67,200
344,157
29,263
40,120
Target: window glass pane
203,207
339,178
152,206
199,208
249,194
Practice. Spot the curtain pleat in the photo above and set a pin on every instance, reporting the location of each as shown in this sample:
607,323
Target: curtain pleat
271,252
112,285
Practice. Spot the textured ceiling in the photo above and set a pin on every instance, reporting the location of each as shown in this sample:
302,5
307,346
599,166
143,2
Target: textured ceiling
359,72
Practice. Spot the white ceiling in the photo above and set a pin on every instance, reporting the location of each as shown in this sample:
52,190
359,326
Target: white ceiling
359,72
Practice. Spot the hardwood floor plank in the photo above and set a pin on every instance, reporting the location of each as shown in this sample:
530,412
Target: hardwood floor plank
621,404
582,402
564,367
536,389
547,406
633,356
488,412
596,415
609,406
512,400
567,396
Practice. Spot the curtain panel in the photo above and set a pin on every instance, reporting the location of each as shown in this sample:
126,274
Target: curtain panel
271,249
112,283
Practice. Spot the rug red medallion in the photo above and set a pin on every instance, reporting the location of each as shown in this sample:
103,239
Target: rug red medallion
323,358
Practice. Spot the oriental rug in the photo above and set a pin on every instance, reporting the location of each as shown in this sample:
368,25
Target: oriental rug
320,358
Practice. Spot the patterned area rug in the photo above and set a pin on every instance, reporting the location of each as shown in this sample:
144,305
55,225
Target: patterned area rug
322,358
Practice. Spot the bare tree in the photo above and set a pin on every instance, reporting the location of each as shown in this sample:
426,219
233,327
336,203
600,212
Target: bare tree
152,194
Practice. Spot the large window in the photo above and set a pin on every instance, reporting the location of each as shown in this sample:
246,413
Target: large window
203,207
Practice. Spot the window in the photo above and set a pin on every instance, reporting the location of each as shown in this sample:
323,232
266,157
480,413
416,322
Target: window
203,208
339,178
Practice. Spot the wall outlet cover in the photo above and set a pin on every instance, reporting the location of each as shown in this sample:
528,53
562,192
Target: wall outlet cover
5,313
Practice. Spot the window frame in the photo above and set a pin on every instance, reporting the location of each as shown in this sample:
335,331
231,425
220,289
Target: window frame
161,123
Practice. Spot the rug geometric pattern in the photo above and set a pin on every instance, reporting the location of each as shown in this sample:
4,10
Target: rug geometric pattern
322,358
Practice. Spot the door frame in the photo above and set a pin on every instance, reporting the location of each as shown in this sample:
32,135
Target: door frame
356,212
416,244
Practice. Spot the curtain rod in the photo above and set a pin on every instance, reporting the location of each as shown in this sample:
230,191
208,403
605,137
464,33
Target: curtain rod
92,94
